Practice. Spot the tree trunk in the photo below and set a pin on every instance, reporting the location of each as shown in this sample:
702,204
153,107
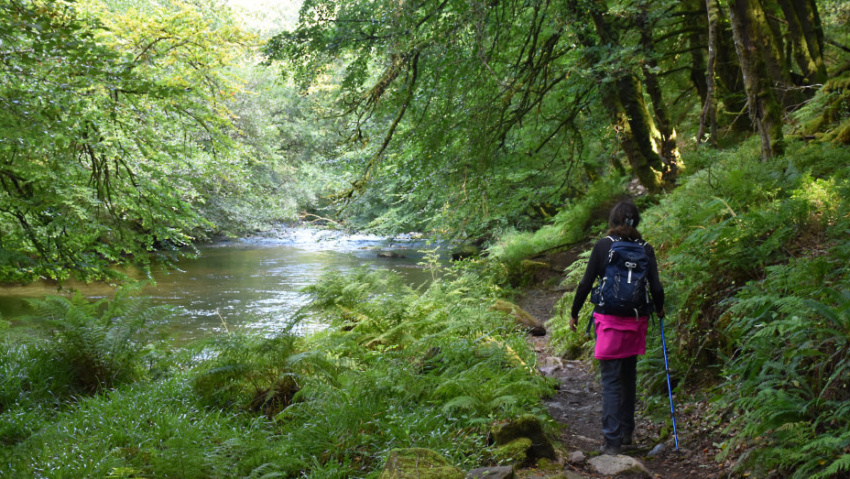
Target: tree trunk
639,137
806,37
709,111
696,44
729,78
668,149
760,58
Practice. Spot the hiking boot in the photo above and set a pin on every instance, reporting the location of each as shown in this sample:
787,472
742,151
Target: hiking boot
627,440
610,449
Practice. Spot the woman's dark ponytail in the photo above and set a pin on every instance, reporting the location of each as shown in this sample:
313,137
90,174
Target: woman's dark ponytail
624,220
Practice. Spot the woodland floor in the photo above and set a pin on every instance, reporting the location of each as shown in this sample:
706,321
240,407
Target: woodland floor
577,405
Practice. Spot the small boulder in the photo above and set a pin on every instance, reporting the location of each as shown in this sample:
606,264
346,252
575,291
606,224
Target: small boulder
523,318
418,463
495,472
618,465
525,426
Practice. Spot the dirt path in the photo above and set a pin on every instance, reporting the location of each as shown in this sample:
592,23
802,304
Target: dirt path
578,406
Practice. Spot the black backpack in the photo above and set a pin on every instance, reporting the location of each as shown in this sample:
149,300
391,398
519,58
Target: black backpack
624,288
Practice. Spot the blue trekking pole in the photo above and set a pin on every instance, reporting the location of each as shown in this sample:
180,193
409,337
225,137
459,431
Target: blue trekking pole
669,389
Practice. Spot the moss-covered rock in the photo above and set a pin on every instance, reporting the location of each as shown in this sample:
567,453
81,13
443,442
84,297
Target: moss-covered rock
514,452
418,463
526,426
522,317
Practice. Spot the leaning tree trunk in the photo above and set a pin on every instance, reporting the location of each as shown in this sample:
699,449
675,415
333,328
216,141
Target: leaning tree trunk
760,57
729,79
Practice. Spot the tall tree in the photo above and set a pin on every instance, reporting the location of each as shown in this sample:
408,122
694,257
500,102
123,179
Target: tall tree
105,135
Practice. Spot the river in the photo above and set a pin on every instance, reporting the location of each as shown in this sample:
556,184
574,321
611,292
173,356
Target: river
248,284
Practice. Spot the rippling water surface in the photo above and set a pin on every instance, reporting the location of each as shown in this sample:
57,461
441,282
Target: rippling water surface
253,283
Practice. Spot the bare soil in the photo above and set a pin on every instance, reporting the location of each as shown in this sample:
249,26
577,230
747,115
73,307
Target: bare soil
577,405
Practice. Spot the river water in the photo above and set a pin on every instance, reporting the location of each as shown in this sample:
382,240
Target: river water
249,284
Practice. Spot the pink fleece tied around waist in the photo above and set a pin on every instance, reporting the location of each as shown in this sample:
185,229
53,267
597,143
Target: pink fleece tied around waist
619,336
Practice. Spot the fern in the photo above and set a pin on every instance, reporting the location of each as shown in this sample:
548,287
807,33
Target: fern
103,343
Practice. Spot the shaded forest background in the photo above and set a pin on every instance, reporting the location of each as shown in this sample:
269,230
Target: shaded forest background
132,130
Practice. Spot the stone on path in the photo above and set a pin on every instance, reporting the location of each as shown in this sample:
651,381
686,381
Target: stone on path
576,457
550,365
615,465
495,472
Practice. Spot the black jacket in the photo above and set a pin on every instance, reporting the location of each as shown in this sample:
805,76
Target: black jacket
596,268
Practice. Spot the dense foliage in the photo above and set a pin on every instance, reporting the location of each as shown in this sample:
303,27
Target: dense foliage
131,129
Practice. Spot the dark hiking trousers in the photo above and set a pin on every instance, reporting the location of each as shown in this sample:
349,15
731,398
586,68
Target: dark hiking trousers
618,398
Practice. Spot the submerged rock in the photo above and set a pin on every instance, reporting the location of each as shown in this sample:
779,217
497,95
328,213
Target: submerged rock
418,463
390,254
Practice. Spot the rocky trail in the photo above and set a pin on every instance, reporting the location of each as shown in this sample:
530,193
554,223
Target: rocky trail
577,405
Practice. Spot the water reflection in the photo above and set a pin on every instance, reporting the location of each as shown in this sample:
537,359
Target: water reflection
253,283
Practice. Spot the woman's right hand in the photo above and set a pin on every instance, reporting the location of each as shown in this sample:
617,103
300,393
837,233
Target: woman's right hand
573,323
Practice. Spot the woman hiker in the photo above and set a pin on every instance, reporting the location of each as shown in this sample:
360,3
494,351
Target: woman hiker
620,337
